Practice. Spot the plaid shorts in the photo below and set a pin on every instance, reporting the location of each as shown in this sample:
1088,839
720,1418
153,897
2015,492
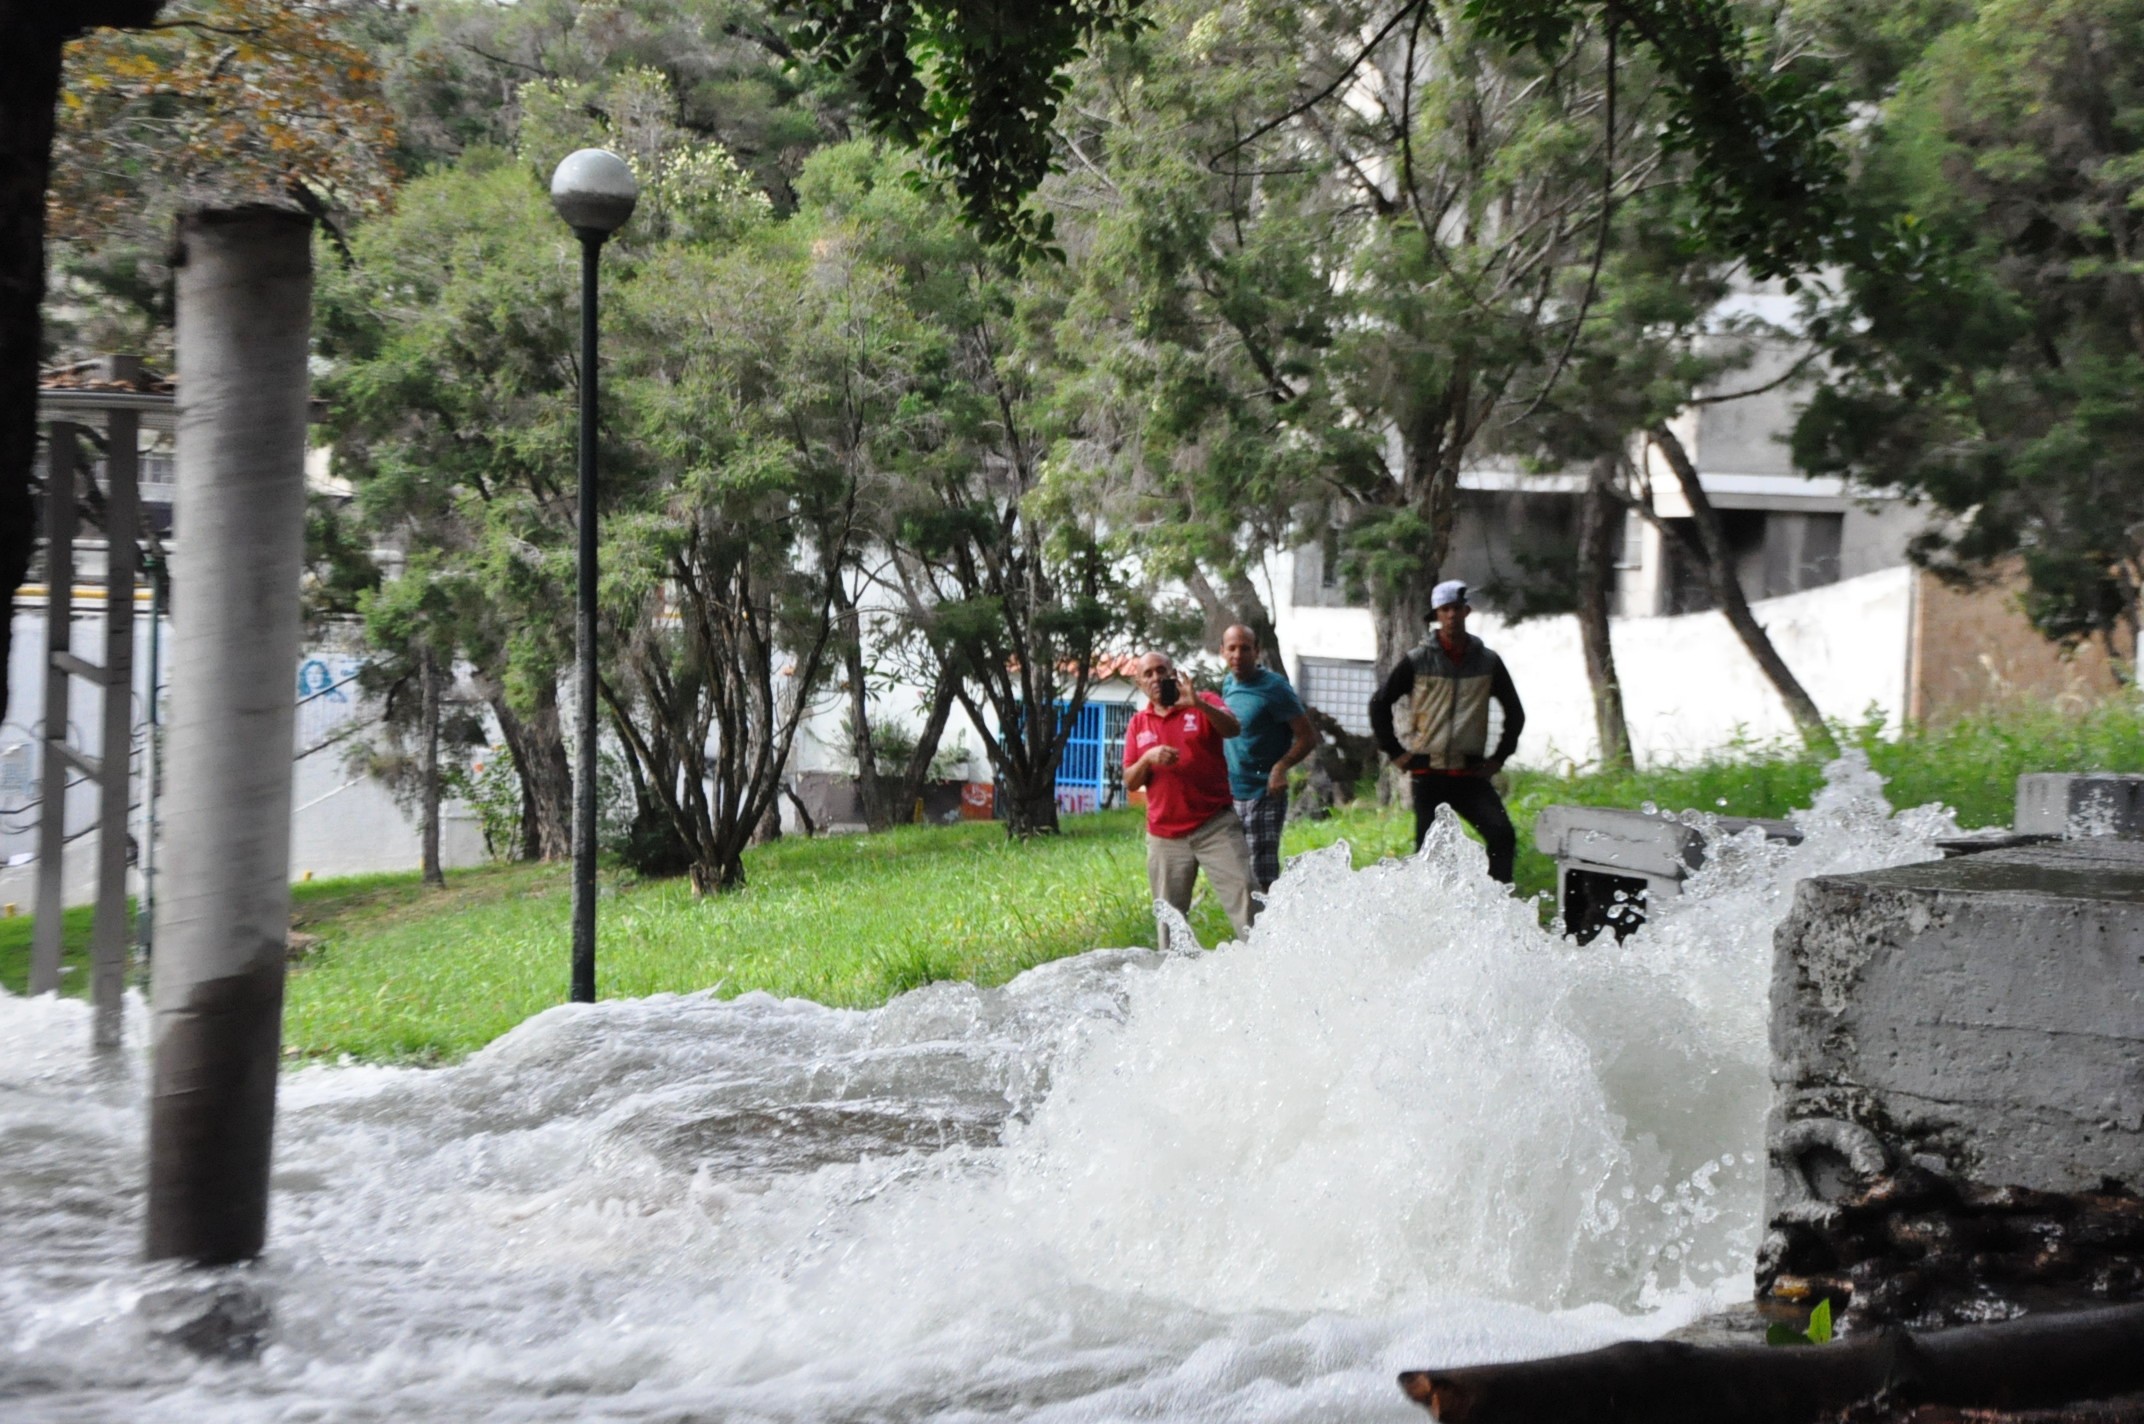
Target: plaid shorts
1262,818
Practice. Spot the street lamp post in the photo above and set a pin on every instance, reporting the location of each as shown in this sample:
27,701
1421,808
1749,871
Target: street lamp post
594,192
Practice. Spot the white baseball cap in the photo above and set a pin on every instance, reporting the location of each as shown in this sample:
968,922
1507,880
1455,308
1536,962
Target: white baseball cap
1450,591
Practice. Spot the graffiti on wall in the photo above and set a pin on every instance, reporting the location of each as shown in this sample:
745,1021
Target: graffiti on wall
328,695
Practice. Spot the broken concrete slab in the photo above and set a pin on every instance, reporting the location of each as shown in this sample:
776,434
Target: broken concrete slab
2080,806
1983,1016
1958,1083
1610,862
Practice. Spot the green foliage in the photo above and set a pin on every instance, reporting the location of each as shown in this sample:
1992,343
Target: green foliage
730,76
220,103
1985,354
691,190
1818,1331
490,784
975,85
1768,175
997,557
1334,251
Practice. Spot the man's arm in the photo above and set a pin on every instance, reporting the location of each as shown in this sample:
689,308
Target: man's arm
1224,721
1506,693
1306,741
1398,684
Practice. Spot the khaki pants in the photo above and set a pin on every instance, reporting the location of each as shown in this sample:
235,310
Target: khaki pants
1172,865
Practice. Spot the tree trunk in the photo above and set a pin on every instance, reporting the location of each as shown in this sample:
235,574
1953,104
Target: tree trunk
538,742
31,36
546,769
877,813
912,778
1252,613
510,728
428,771
2033,1362
1240,604
1598,516
1727,593
1030,808
768,828
244,323
715,875
1400,617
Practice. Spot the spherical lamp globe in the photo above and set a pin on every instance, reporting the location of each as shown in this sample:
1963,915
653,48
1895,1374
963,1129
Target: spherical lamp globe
594,191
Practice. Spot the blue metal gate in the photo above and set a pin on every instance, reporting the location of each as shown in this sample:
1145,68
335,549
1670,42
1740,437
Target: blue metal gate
1090,773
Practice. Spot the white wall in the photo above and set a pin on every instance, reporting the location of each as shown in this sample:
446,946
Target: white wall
340,824
1689,685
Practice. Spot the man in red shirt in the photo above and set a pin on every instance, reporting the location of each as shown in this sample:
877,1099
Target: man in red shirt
1173,751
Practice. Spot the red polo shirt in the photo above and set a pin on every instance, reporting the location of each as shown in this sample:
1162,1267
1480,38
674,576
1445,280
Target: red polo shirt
1183,797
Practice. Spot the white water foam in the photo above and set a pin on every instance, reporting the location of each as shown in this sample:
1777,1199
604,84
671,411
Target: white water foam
1400,1125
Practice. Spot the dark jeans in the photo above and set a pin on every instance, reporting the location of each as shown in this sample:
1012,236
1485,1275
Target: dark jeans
1476,801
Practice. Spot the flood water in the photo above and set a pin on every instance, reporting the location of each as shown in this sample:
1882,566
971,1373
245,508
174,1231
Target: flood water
1399,1126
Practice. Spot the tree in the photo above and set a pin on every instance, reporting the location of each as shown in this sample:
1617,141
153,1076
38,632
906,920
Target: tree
449,397
1204,317
224,102
730,75
751,375
1394,211
1988,355
1653,342
893,761
1000,566
409,627
1755,111
974,86
977,87
227,101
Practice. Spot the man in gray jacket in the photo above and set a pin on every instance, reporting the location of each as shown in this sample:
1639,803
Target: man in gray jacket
1446,686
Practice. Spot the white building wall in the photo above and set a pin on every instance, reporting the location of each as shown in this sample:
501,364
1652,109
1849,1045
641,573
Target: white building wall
1690,687
341,824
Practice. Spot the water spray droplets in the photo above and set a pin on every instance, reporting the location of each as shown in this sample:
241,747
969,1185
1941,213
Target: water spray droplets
1184,1184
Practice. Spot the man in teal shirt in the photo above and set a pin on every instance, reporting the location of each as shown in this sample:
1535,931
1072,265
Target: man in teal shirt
1276,735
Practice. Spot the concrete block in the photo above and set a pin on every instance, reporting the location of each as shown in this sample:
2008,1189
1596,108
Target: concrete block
1636,843
1980,1016
1610,862
2079,806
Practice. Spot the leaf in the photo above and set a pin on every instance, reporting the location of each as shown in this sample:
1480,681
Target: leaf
1820,1323
1781,1333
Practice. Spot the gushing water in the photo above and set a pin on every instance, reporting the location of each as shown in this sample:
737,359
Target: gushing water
1400,1125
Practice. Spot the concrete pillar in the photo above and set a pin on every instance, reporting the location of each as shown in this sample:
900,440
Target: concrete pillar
108,937
244,316
45,943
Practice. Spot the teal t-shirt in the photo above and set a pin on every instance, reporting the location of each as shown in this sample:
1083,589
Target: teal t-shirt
1265,705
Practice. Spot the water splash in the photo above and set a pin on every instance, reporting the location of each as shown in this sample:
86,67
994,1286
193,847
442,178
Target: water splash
1398,1124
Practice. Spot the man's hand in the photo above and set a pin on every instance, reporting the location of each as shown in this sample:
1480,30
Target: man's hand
1492,766
1412,761
1163,755
1278,781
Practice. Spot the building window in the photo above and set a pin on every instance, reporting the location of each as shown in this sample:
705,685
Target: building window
1340,688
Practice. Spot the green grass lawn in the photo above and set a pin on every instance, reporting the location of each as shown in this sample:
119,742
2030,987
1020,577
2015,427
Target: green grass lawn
846,920
396,972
